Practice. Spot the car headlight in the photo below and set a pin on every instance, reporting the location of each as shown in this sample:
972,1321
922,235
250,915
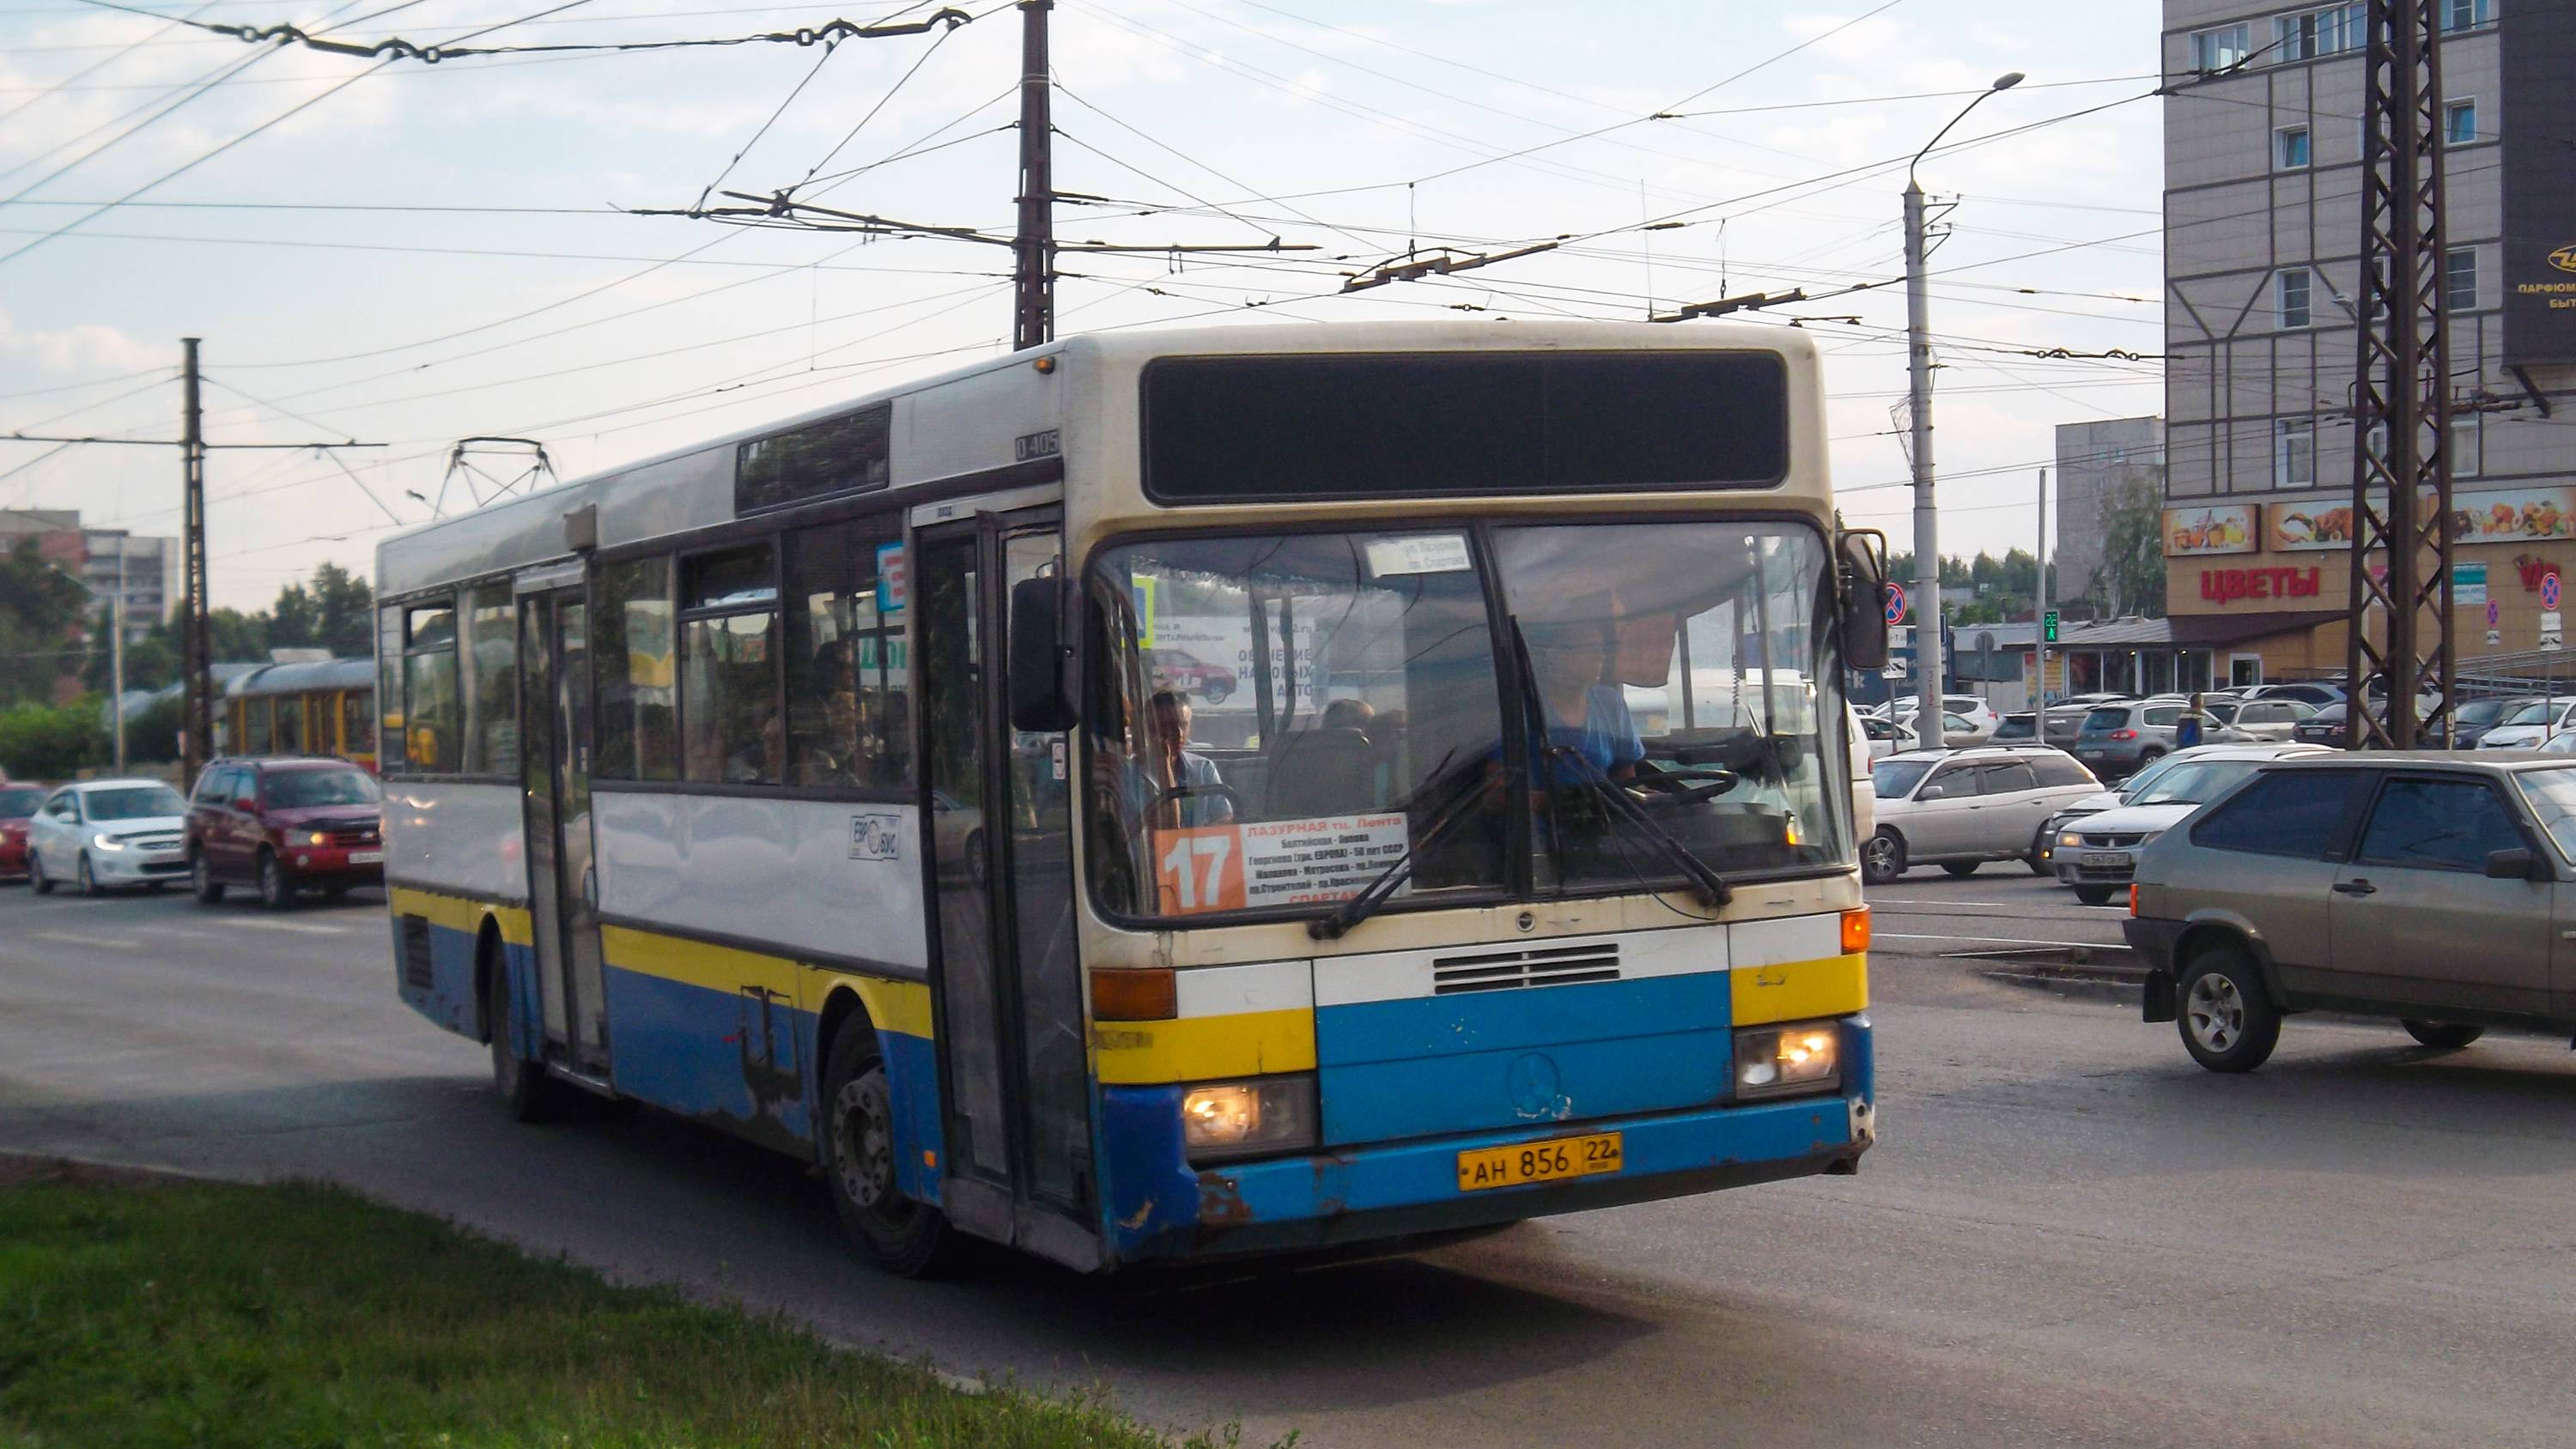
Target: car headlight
317,838
106,842
1774,1061
2070,838
1248,1119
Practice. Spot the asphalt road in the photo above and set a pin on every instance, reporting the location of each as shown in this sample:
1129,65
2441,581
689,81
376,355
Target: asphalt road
2068,1235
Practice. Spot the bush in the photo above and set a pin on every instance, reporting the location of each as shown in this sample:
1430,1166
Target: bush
152,733
48,742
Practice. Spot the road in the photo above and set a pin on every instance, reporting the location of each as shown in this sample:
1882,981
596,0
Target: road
2069,1234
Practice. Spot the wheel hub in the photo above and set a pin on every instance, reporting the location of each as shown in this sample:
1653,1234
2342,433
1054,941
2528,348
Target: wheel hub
863,1140
2216,1013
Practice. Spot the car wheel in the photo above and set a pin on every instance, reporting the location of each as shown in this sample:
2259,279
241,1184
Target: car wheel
2443,1035
977,867
1215,693
856,1149
201,879
527,1093
1962,867
2037,860
276,887
87,878
1882,857
37,881
2094,895
2227,1022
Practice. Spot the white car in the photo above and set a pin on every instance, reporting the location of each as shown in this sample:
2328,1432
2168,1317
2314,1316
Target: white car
1959,809
2528,726
2098,853
1895,737
104,834
2263,719
1981,718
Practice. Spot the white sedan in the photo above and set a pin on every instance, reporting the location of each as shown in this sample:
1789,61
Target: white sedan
103,834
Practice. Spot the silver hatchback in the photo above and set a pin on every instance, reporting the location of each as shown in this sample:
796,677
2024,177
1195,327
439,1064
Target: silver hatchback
1959,809
2435,888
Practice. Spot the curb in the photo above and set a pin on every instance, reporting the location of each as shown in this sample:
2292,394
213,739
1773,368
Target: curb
17,1169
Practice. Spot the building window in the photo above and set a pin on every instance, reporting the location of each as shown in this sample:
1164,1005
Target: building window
2330,31
2290,148
2460,279
2294,453
2218,49
2467,446
2463,14
2459,123
2290,297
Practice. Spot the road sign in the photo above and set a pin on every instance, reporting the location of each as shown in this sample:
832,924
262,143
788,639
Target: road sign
2494,637
2549,630
2549,591
2048,627
1893,670
2493,616
2468,584
1896,602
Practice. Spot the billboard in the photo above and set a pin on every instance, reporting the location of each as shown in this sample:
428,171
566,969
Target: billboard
2316,523
2537,39
2228,528
2513,515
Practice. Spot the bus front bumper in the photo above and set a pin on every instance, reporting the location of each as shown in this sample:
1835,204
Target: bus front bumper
1407,1189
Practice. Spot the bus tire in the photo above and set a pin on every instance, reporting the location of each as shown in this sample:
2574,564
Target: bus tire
201,879
527,1093
855,1148
276,884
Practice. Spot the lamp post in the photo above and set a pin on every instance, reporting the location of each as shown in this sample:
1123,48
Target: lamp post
115,647
1918,373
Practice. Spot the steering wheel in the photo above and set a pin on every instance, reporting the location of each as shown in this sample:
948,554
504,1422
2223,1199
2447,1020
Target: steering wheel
1677,787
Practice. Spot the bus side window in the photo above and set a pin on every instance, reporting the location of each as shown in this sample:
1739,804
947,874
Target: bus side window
358,722
388,701
492,703
635,724
429,688
849,719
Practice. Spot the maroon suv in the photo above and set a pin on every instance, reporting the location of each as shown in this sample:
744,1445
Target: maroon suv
18,805
285,826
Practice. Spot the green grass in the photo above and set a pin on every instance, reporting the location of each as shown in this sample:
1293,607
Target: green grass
300,1314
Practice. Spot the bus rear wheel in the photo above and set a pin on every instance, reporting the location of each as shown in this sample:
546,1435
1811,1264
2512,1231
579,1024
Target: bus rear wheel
904,1237
527,1093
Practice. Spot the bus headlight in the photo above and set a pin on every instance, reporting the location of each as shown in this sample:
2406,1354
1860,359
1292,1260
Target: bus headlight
1248,1119
1772,1061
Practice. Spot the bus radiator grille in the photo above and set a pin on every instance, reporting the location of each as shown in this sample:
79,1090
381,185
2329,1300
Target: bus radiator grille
1539,966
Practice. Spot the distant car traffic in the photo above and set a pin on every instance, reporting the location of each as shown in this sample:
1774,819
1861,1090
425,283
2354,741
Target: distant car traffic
2307,692
1980,716
284,826
2117,739
2470,720
1960,809
18,806
2097,855
2112,799
1890,737
2424,886
2064,723
2526,727
103,835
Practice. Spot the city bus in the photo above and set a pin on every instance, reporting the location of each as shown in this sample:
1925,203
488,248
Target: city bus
1174,796
325,707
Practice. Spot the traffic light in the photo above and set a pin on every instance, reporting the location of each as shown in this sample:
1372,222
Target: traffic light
2048,627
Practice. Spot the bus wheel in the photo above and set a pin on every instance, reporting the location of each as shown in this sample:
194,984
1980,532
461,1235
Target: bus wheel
907,1238
526,1092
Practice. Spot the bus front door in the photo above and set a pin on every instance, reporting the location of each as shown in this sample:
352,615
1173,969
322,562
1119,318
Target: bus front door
1006,989
563,884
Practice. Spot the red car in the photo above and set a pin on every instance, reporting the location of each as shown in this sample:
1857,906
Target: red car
284,826
18,805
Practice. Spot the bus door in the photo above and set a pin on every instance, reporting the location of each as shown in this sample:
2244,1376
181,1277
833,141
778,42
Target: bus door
563,884
1005,984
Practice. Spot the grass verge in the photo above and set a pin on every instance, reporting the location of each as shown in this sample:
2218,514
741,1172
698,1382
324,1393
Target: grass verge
300,1314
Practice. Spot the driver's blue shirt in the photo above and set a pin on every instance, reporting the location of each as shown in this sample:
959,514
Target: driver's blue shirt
1607,739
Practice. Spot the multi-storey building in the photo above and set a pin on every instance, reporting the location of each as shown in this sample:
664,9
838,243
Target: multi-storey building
2263,148
2099,466
144,569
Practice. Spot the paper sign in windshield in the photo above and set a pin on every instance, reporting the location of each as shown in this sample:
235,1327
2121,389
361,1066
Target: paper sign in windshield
1273,862
1421,553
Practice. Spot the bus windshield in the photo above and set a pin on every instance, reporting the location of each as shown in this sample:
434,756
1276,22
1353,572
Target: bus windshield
1281,719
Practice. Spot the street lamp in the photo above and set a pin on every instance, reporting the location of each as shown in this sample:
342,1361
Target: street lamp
1918,372
115,646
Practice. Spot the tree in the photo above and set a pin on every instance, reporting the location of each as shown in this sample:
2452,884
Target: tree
40,613
51,742
291,619
344,612
2133,553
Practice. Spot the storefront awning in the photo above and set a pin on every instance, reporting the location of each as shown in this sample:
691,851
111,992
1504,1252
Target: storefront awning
2219,629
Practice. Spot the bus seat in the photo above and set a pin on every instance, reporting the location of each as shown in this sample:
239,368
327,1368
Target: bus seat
1323,772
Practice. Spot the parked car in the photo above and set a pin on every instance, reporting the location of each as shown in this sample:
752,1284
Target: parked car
2470,720
2097,855
2312,692
2526,727
2112,799
2119,738
103,835
2325,727
2062,725
2262,719
1980,716
284,826
18,806
2429,887
1890,737
1959,809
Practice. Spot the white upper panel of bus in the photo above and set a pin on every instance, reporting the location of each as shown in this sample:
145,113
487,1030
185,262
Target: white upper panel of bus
972,420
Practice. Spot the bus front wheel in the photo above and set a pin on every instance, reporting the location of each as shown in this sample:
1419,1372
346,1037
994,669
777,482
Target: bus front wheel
905,1237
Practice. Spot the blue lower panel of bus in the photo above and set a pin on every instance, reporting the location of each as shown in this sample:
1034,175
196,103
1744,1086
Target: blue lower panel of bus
1159,1207
442,988
735,1060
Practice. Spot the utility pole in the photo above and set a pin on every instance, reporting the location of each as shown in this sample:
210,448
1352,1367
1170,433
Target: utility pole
116,654
2039,611
2401,387
1033,252
196,651
1927,543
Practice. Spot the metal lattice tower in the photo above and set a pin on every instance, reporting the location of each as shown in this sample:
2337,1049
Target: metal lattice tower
2401,456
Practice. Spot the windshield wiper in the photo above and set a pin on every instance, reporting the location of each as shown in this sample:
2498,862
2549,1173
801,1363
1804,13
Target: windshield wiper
1383,887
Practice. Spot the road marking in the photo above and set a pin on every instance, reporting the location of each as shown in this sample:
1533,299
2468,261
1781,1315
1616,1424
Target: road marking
262,923
100,943
2001,941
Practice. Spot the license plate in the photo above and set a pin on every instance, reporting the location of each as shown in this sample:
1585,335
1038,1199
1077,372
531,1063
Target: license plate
366,857
1538,1161
2106,857
2089,754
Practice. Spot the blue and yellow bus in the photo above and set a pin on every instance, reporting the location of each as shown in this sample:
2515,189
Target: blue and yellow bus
1158,797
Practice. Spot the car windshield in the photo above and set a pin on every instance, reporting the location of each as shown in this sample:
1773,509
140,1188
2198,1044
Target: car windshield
299,789
2479,711
2552,796
2223,711
2536,712
1894,779
2146,779
1370,712
2015,727
135,802
2193,782
2109,718
20,801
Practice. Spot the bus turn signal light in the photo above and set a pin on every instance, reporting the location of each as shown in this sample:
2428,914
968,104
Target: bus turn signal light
1856,931
1128,994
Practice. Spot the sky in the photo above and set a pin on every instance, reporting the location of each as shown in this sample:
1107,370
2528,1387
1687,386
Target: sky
409,254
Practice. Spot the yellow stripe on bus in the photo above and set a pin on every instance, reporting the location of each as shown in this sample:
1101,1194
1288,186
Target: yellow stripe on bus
902,1007
696,963
1251,1043
1794,990
459,913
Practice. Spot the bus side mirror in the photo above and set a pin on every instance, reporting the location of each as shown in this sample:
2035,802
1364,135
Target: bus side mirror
1040,704
1861,556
